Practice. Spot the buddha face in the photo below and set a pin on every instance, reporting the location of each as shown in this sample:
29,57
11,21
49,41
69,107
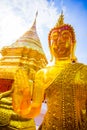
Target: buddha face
61,44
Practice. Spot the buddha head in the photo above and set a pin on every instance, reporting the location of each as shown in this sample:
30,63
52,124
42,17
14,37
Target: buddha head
62,41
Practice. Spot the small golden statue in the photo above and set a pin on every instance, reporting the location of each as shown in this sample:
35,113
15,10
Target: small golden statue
64,82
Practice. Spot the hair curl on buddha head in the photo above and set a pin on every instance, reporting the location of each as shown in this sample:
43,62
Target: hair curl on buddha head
62,27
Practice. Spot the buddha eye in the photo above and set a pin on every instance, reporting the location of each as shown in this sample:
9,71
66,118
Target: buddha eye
54,35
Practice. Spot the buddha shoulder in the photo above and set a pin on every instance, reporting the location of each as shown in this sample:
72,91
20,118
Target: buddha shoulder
46,74
81,75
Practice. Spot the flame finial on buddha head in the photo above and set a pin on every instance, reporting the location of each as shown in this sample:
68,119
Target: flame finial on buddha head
60,20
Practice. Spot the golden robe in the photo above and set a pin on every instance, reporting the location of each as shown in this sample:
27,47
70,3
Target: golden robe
67,100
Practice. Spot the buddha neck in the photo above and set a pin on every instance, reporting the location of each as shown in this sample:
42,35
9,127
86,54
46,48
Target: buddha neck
61,63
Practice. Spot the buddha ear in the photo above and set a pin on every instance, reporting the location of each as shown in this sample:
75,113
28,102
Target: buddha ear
51,56
73,57
49,42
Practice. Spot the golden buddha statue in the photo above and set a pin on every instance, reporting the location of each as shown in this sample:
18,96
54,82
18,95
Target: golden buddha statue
64,82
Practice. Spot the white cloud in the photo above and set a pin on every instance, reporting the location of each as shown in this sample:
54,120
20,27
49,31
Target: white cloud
17,16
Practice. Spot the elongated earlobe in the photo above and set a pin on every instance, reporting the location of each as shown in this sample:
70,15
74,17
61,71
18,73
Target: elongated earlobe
73,57
51,58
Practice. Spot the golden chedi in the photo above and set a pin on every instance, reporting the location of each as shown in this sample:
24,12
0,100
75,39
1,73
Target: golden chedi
20,61
64,83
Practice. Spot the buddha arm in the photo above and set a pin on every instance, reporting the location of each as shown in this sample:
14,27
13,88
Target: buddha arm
38,93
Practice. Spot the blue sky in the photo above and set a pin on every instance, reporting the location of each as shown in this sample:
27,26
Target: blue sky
17,16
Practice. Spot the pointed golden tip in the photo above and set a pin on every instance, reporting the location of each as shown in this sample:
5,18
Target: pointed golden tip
34,23
60,20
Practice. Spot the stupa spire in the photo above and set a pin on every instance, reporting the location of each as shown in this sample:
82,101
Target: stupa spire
34,23
30,38
33,28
